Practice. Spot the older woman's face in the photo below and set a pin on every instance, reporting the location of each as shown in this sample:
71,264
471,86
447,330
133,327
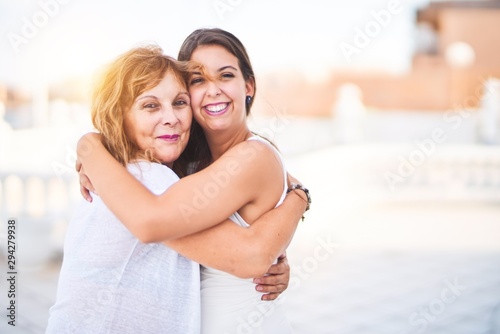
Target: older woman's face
160,119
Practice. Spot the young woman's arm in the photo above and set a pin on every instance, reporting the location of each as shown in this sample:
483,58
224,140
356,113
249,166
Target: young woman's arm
193,204
244,252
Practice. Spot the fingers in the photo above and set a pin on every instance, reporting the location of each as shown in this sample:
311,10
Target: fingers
278,273
83,190
270,292
281,267
85,193
277,269
85,186
271,280
84,147
277,288
274,284
275,281
78,165
270,296
85,181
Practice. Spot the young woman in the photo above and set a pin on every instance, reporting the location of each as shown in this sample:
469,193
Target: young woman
110,282
244,178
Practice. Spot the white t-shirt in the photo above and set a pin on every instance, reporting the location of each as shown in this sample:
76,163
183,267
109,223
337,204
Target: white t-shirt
110,282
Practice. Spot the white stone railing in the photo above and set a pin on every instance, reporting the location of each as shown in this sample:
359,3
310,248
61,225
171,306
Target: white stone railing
43,196
393,172
42,206
449,173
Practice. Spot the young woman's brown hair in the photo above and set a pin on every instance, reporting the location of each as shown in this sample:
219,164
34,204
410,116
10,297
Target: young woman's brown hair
197,150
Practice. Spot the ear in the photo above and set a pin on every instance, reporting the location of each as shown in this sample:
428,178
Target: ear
250,87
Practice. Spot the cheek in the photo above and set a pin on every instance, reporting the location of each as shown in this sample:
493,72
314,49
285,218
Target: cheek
130,130
241,93
142,133
196,97
186,120
189,122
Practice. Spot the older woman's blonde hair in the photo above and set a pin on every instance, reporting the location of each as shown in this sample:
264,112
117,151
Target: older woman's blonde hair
131,74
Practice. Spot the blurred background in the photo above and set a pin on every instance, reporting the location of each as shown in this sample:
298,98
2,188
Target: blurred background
388,111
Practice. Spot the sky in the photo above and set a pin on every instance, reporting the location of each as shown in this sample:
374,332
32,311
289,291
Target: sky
47,41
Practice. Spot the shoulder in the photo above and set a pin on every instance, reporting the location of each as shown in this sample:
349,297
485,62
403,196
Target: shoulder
254,151
252,159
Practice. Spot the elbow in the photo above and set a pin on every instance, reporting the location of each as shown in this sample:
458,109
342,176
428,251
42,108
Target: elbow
147,231
144,235
255,265
255,259
153,226
148,237
251,271
145,238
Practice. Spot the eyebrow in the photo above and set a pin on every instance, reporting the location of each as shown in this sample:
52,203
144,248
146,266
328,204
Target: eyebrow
155,97
146,97
226,67
219,70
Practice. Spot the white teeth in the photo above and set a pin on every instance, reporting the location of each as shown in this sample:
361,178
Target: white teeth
217,108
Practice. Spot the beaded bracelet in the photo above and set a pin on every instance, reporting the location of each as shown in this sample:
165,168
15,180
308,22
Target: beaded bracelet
295,186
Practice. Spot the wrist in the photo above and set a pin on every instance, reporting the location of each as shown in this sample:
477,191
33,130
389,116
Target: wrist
302,197
299,199
303,193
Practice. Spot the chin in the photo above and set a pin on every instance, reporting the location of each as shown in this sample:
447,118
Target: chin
169,158
218,126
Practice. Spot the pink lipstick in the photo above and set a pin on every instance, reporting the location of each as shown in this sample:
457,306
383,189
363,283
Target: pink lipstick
169,137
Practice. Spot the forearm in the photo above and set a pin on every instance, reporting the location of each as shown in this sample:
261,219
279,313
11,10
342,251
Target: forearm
244,252
274,230
111,180
193,204
226,247
176,213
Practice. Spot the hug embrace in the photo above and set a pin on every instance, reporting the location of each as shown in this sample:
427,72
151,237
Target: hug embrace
192,212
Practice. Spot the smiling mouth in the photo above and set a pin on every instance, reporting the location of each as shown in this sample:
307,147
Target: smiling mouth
218,108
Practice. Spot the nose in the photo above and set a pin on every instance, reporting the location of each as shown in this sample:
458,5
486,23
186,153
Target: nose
168,116
213,89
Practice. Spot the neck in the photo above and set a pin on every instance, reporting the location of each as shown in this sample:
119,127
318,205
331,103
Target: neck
219,142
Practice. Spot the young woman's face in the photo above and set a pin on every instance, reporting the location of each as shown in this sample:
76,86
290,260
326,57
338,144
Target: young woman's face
218,102
160,119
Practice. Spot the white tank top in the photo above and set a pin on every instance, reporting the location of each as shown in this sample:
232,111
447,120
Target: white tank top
232,305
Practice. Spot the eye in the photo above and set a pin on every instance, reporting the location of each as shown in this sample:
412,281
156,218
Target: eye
150,105
196,80
227,75
181,103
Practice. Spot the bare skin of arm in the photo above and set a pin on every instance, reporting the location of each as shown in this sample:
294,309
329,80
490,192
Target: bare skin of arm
167,217
225,247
